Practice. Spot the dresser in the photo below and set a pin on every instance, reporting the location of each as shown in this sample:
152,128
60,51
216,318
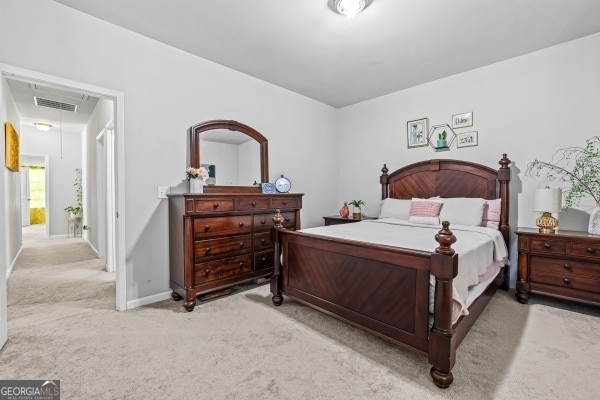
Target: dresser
565,265
219,240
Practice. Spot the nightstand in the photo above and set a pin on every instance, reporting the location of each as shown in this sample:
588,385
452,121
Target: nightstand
337,220
565,265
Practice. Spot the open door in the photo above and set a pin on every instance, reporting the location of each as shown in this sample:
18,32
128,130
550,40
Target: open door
25,198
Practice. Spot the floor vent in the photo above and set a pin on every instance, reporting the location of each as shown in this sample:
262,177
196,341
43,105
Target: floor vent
40,101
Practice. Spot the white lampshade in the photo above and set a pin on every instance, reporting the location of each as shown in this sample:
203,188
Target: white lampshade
548,200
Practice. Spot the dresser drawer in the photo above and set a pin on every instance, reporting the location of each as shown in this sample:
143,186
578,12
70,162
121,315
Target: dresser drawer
205,228
205,249
284,202
221,269
549,246
253,204
565,267
264,222
262,241
206,205
263,260
585,249
568,280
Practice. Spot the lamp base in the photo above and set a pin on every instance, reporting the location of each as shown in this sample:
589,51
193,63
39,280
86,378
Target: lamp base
546,223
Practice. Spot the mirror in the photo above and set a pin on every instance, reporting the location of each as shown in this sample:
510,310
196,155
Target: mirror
235,154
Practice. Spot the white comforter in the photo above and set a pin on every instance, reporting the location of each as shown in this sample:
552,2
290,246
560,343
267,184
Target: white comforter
481,250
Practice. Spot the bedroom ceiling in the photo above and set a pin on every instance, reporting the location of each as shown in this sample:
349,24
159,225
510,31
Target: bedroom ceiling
303,46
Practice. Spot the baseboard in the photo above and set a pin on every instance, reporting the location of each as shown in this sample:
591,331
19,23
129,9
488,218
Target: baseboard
14,262
148,300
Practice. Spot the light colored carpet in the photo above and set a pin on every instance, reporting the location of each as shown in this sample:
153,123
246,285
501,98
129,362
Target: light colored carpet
62,325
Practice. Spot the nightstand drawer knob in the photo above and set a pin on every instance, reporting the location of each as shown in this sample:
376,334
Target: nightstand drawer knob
207,272
215,205
567,266
241,224
567,281
253,204
207,250
547,245
591,250
241,265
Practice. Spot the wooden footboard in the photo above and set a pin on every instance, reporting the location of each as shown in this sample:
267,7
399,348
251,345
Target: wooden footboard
382,289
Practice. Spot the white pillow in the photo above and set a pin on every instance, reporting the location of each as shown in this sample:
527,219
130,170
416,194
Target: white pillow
462,210
395,208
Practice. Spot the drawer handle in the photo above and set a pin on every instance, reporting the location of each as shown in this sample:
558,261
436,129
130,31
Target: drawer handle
547,245
253,204
263,260
567,266
207,250
263,241
241,265
284,202
207,227
241,224
215,205
207,272
567,281
286,219
591,250
241,244
262,221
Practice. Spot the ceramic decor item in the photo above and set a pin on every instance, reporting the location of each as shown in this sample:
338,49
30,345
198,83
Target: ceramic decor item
345,211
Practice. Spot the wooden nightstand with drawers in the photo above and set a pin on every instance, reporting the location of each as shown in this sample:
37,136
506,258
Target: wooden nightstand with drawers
565,265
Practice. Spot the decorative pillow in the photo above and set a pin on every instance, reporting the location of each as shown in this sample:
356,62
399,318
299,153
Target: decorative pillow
491,214
395,208
462,210
425,211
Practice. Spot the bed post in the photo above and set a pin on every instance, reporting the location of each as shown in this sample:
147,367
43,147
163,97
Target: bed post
276,277
504,179
383,179
444,267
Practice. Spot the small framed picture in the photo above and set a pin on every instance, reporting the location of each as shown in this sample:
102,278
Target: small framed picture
268,188
462,120
467,139
416,132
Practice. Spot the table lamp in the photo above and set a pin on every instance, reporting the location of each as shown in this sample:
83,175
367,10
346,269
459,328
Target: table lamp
547,201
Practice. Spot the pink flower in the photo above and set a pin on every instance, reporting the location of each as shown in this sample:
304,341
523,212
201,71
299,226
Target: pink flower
196,173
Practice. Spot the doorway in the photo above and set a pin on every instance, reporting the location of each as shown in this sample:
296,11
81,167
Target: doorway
115,235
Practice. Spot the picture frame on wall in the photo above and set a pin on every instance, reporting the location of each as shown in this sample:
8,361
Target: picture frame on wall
467,139
12,147
462,120
416,132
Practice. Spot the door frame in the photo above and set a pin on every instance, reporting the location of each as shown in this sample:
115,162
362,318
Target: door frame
118,162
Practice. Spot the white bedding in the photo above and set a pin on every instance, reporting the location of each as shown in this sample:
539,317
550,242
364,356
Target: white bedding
481,250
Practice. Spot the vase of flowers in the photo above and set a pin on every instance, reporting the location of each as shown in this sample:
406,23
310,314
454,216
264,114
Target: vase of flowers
579,169
197,178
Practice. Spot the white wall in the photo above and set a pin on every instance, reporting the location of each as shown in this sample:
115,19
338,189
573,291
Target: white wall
527,107
166,91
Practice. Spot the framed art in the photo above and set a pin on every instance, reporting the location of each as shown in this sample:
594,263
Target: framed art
462,120
268,188
12,147
416,132
467,139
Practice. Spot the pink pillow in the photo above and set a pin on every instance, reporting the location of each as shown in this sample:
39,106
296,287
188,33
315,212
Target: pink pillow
425,211
491,213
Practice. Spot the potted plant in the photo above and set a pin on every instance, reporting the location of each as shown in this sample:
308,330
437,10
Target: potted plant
356,212
441,141
579,169
76,210
197,178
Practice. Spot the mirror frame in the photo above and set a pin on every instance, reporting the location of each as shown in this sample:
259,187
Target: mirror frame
196,130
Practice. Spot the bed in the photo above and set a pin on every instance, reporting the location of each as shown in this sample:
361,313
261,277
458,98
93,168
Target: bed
386,289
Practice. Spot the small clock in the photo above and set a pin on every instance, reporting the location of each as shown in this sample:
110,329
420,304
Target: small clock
283,184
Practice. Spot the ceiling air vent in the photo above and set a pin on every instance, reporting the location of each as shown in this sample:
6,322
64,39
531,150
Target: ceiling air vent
40,101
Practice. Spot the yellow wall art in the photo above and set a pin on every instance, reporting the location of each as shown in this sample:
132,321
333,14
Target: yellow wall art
12,147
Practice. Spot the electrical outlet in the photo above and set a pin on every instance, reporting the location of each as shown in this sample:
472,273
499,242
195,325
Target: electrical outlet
162,192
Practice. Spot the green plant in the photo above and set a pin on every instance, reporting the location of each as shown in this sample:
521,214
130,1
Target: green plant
78,208
442,136
357,203
578,165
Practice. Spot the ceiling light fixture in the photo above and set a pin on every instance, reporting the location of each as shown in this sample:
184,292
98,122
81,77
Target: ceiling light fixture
349,8
43,126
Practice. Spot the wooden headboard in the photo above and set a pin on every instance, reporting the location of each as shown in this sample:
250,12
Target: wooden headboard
451,178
